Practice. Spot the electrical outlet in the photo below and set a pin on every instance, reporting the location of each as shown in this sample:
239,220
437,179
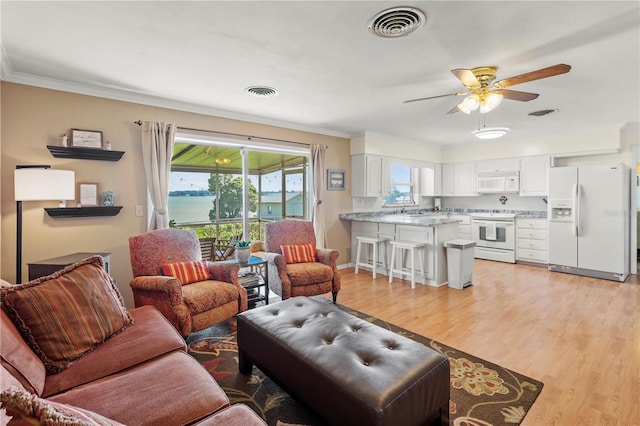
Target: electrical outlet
139,211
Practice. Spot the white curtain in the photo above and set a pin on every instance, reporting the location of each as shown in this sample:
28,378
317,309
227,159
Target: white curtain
318,160
157,149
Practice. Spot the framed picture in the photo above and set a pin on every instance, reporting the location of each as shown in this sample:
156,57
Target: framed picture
86,138
88,194
335,180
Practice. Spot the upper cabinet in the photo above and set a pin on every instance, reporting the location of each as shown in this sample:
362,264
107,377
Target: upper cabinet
503,165
534,173
458,179
366,175
427,181
448,180
465,179
437,180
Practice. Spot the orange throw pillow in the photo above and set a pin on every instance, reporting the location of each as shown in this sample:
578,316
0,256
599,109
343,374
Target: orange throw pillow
187,272
299,253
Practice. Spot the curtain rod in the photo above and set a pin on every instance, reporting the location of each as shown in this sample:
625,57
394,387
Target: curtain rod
248,137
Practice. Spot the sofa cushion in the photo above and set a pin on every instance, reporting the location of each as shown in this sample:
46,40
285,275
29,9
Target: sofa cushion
299,253
65,315
149,336
187,272
235,415
309,273
206,295
173,389
28,409
18,358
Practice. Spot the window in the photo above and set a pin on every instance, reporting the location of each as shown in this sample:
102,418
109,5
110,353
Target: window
207,180
401,178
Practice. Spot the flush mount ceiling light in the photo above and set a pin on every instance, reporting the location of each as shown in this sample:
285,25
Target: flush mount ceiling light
261,91
490,132
396,22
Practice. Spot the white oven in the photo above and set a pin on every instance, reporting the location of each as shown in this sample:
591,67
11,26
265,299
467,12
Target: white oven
495,236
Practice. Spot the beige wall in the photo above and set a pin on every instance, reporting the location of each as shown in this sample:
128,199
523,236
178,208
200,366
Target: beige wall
33,118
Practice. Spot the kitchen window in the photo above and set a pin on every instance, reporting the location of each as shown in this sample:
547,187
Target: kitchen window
401,187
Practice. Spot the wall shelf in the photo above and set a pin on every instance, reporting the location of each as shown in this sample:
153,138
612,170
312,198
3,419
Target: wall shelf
84,153
83,211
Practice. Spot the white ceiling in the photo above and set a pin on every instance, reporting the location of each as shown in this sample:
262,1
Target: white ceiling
332,75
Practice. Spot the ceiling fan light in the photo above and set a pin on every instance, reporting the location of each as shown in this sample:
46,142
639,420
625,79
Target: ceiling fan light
490,132
463,108
472,102
490,102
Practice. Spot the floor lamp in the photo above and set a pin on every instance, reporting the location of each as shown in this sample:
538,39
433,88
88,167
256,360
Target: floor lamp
39,183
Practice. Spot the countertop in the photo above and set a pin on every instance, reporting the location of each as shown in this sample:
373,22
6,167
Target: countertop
417,219
429,217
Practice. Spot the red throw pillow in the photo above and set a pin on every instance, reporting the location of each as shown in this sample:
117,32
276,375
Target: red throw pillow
300,253
187,272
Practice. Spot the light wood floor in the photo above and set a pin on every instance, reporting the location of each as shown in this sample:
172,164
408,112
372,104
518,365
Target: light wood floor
579,336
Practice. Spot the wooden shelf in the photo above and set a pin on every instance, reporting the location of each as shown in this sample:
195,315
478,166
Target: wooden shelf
84,153
83,211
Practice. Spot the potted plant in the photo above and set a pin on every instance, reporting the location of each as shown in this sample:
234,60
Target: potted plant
243,251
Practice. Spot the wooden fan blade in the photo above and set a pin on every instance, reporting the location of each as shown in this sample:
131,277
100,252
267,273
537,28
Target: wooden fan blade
435,97
534,75
454,109
466,77
516,95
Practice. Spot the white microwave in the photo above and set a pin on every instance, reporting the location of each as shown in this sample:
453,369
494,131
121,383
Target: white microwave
498,182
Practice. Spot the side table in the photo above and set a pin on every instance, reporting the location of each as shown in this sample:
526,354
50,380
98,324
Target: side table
45,267
254,275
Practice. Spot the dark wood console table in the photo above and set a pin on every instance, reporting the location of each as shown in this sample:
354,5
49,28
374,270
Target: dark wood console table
45,267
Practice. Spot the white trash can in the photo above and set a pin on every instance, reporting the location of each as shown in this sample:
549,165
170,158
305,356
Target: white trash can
460,255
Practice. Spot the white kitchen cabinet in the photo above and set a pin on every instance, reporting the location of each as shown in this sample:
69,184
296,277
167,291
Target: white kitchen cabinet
465,179
372,230
366,175
458,179
464,226
427,182
531,239
448,179
437,180
502,165
534,172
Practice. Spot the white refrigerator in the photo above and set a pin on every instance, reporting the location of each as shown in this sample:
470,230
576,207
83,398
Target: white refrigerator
588,221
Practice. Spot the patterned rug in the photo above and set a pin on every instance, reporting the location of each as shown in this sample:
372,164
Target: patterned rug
482,393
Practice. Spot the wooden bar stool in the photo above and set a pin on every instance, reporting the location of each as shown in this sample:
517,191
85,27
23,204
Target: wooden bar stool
412,247
375,242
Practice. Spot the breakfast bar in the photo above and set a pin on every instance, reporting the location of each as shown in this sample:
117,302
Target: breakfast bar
428,228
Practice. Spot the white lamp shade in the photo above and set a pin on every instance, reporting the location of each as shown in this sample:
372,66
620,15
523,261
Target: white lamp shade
32,184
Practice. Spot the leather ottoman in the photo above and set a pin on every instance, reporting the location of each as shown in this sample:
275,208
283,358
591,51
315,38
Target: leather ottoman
349,371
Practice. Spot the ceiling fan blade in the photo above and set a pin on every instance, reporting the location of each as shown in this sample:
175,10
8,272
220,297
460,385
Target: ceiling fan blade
467,77
454,109
516,95
534,75
435,97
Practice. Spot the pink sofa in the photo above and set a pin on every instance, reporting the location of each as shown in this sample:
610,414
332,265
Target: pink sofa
141,375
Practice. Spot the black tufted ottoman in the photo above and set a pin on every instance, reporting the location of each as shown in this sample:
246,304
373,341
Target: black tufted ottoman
348,370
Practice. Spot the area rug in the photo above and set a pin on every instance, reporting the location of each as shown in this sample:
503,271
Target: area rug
482,393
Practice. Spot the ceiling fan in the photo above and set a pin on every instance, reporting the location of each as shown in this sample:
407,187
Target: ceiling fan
484,94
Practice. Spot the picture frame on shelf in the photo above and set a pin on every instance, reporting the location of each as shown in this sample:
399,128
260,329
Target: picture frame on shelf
88,194
86,138
335,180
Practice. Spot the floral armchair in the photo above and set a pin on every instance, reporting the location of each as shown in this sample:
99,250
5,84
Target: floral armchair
189,306
318,276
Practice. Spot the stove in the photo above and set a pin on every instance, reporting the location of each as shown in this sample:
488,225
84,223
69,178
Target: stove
494,234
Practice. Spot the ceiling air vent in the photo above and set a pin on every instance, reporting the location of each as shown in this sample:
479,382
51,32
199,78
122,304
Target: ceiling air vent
396,22
543,112
261,91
